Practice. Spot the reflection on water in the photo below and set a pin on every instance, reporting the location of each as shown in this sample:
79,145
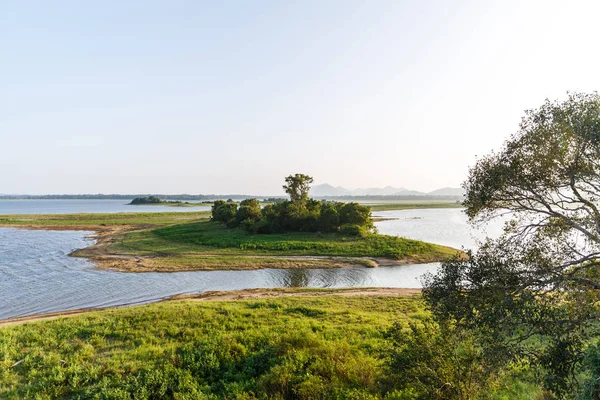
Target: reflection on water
37,275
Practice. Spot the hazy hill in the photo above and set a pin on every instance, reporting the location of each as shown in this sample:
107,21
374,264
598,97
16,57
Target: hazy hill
448,191
326,189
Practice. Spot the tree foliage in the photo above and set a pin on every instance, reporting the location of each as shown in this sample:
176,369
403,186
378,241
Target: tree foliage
535,291
224,211
297,187
146,200
300,214
434,362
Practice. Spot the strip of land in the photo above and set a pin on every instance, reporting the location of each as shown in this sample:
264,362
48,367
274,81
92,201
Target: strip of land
231,295
189,241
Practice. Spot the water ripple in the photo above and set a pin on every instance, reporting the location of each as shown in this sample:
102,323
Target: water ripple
38,276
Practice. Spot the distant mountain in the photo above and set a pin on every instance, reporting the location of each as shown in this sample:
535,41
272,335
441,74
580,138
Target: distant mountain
327,190
448,191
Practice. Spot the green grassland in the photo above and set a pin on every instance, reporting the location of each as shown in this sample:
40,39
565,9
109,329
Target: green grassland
205,236
390,205
283,348
94,221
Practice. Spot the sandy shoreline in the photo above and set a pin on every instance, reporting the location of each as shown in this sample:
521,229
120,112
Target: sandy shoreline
233,295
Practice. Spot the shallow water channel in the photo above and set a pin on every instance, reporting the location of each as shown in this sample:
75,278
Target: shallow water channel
38,276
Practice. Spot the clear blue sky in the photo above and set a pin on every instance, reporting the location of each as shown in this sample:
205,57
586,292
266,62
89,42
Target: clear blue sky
231,96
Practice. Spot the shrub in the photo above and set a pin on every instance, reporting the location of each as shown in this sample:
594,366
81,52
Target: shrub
329,217
354,213
223,211
353,230
437,362
249,213
591,386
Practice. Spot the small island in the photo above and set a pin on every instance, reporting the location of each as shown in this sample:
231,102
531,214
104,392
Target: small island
153,201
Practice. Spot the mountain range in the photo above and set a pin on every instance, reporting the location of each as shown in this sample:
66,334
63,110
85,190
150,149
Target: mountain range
326,189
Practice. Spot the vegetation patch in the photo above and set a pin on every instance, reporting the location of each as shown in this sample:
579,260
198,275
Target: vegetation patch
299,214
203,238
155,201
327,347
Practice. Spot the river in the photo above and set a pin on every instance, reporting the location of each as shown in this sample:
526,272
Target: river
38,276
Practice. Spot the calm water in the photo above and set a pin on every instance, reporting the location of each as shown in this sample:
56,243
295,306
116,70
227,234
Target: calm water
446,226
83,206
37,275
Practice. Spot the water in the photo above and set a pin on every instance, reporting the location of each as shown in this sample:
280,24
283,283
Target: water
38,276
84,206
445,226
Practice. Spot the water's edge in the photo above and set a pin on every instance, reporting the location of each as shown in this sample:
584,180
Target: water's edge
38,276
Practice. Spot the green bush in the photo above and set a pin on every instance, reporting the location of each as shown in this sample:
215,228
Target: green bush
248,214
223,211
591,385
354,213
437,362
285,216
329,217
353,230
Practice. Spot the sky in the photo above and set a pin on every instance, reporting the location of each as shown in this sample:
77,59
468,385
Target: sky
232,96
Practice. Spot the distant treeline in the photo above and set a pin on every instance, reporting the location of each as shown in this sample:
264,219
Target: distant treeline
221,197
391,197
127,196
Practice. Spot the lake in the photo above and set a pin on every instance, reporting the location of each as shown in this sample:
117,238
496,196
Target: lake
445,226
19,206
38,276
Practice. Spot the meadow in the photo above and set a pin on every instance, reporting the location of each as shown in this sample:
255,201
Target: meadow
307,347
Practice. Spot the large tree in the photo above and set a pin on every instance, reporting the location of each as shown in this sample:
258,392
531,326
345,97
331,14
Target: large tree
297,187
535,291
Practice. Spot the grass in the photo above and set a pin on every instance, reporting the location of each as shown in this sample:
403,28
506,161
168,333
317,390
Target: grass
185,241
204,244
289,347
98,221
410,205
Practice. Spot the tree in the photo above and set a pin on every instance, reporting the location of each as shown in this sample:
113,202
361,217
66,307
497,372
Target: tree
535,291
329,217
297,187
355,214
249,212
223,211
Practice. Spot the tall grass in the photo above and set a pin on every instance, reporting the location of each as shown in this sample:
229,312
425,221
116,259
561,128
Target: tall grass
302,348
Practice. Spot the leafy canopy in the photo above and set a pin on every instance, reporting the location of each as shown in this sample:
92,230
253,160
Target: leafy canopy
535,291
297,187
300,214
